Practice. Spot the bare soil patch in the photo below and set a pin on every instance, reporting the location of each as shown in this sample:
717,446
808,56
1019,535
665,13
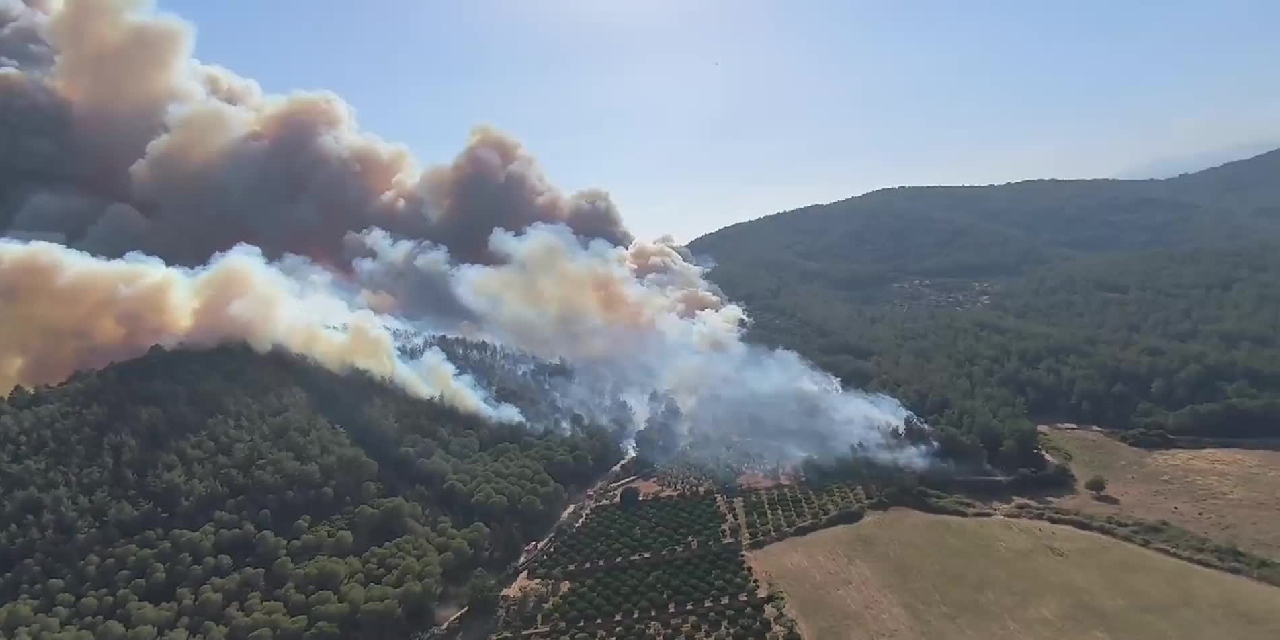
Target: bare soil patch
648,488
522,583
756,481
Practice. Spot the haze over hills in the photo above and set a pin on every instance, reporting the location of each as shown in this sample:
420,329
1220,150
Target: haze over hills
1174,166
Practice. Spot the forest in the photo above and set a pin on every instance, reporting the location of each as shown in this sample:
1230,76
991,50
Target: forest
226,494
1148,306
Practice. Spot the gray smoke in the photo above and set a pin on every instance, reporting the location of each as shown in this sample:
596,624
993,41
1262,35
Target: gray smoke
198,160
115,143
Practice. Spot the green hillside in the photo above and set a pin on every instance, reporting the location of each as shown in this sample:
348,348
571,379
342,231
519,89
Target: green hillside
225,494
1134,304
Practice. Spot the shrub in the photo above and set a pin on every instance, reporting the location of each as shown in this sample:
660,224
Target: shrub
629,497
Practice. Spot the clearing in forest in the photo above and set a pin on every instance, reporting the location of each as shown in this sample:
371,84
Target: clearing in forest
1227,495
907,575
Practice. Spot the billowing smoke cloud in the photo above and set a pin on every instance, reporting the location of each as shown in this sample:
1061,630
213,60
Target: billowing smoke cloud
153,199
62,310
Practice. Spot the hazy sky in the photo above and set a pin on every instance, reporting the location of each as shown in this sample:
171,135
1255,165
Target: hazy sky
698,113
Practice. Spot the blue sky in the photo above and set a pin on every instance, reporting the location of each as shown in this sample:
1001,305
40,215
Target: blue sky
696,114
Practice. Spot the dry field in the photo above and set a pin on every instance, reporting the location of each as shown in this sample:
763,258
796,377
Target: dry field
907,575
1228,495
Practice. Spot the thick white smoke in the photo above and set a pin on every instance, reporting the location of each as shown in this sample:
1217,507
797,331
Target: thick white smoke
152,199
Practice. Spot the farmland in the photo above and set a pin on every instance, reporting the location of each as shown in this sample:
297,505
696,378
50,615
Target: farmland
664,567
660,525
905,574
773,558
1224,494
774,513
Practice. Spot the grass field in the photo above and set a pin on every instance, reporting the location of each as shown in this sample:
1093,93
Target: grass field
907,575
1228,495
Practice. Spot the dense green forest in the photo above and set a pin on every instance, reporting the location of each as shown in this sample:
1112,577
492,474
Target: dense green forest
1151,306
225,494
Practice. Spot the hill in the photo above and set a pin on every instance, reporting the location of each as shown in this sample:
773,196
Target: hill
226,494
904,574
985,231
1146,304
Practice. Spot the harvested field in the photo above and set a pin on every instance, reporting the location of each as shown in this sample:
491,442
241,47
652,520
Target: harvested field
908,575
1229,495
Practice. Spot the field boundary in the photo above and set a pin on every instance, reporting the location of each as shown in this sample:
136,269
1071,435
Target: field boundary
677,567
1161,536
575,593
1158,439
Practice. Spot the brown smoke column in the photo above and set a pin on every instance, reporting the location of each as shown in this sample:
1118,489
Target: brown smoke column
62,311
197,159
112,140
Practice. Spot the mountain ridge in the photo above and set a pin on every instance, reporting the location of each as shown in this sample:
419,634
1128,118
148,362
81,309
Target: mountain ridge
1271,160
1147,305
1200,188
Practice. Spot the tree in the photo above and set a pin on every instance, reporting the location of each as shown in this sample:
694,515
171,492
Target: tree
1097,484
482,591
629,497
144,632
324,631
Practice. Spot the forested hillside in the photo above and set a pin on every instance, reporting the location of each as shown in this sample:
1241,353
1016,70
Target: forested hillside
225,494
1134,304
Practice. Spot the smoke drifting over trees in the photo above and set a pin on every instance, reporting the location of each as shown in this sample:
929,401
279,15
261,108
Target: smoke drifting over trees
148,198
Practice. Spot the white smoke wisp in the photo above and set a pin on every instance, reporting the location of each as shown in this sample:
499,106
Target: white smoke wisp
149,198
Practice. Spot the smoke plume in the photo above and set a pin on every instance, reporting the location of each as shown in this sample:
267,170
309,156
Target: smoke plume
149,198
62,310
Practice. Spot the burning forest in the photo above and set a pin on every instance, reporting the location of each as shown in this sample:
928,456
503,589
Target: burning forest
148,198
